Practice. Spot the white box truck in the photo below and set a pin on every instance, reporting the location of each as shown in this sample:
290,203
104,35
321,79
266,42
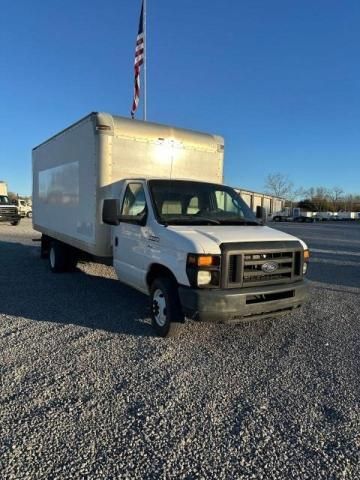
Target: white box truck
3,188
8,212
150,198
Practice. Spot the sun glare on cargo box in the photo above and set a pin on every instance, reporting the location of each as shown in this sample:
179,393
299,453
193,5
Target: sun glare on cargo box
167,150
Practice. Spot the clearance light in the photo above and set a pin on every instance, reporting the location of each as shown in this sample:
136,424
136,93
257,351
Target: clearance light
306,255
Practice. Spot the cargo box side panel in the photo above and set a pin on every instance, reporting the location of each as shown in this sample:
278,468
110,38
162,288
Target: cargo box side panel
64,186
148,150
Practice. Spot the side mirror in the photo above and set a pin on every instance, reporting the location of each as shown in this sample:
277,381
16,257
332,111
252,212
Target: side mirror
111,211
261,213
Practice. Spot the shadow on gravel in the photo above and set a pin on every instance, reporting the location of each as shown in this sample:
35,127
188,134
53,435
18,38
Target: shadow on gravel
30,290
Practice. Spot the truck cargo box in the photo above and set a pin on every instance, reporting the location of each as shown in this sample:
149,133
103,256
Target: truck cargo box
76,169
3,188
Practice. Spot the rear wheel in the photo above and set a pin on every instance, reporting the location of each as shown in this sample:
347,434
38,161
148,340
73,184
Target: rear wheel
166,311
62,258
29,214
15,222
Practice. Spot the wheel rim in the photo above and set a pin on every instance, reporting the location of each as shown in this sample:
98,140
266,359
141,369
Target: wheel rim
52,258
159,307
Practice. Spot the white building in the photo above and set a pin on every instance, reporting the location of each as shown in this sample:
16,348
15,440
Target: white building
254,199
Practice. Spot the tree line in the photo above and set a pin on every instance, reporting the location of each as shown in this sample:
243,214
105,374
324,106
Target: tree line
319,199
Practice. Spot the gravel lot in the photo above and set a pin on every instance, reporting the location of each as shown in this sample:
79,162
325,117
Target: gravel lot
87,391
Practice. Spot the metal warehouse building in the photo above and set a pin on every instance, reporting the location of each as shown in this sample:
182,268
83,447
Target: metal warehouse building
255,199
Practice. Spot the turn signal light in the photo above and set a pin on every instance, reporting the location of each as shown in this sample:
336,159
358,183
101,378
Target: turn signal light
203,260
306,255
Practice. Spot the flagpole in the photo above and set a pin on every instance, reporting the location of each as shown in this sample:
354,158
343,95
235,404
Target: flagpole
145,48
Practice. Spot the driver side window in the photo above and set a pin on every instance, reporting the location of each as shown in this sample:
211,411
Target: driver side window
134,200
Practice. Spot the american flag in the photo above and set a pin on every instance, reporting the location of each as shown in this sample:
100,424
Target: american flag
139,60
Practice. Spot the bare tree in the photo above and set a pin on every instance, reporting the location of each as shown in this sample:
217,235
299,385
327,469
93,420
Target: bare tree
279,185
12,196
335,195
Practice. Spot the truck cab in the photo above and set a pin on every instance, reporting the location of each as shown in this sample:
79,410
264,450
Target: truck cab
198,250
24,208
8,211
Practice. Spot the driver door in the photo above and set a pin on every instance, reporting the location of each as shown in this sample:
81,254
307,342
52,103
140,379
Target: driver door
129,240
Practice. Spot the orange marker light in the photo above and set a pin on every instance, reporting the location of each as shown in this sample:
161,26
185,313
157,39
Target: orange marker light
306,255
205,261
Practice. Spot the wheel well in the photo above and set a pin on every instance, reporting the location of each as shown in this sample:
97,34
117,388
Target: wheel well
158,270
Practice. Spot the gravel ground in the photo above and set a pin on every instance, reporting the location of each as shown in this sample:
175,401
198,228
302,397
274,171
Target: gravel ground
87,391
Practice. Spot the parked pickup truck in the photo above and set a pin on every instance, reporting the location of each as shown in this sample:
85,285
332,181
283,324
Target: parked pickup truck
150,198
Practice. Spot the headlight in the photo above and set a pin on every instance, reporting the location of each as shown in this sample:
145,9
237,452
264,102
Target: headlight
305,268
203,270
203,277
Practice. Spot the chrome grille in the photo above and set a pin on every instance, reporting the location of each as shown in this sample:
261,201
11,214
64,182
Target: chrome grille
244,267
253,264
4,210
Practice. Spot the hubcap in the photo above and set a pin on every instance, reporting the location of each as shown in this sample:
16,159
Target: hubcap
159,307
52,258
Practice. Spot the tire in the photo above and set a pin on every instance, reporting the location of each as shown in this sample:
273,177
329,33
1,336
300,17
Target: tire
62,258
166,311
29,215
15,222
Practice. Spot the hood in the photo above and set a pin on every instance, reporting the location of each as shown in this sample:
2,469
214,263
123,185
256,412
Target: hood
211,236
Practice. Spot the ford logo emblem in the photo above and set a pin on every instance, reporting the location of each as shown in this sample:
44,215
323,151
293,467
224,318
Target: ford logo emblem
269,267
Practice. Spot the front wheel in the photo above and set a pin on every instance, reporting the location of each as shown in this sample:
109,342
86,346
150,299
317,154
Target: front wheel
29,214
166,311
15,222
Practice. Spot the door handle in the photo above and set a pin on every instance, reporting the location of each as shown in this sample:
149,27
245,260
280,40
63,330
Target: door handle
116,241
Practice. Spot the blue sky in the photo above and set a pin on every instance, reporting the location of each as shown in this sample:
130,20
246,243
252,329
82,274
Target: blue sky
279,79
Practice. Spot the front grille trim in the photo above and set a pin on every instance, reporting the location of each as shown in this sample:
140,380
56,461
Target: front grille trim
8,210
286,254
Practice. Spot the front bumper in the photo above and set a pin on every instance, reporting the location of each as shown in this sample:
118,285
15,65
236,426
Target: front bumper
237,305
9,217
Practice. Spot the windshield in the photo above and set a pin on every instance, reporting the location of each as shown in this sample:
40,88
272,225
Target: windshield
4,199
182,202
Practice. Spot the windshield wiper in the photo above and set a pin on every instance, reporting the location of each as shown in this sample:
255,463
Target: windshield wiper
193,220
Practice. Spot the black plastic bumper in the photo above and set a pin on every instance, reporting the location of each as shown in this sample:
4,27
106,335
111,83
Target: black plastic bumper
9,218
236,305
